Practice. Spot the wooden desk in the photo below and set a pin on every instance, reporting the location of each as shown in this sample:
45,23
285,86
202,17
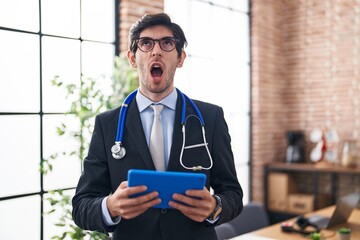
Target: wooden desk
274,231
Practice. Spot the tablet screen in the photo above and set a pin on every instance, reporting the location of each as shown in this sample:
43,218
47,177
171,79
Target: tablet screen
166,183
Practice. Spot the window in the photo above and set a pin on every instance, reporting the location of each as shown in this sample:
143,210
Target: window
41,39
217,68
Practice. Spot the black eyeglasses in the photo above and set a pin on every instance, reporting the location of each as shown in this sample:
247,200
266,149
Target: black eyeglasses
146,44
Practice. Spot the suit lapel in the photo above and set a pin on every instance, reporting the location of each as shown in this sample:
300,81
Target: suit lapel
136,131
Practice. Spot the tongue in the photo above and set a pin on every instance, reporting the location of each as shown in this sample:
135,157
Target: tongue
156,72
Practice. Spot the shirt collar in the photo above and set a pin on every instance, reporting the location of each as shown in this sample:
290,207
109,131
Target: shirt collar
169,101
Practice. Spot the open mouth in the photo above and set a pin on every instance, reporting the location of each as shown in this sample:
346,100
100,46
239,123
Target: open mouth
156,71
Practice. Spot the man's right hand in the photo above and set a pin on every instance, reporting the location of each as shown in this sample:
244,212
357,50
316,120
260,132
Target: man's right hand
120,204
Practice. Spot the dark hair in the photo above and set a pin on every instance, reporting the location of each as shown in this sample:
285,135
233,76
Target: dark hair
151,20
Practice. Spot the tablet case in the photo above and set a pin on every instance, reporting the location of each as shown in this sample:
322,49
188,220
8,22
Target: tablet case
165,183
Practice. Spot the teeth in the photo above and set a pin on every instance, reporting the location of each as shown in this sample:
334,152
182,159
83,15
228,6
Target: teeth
156,66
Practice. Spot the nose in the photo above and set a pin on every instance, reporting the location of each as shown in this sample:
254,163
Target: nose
157,49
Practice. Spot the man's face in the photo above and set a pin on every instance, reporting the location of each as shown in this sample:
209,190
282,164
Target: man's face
157,67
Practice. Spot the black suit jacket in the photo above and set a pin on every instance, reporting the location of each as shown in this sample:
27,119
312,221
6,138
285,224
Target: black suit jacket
103,174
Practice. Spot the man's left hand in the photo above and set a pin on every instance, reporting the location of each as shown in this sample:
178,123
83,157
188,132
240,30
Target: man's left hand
195,204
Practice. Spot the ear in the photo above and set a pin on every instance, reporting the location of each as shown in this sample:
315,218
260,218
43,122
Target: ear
131,59
181,59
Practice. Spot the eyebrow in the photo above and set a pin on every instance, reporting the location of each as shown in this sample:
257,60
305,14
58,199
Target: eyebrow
158,38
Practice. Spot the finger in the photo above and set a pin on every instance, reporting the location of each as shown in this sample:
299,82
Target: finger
138,203
202,207
196,209
134,190
198,193
123,185
132,211
189,200
144,198
195,214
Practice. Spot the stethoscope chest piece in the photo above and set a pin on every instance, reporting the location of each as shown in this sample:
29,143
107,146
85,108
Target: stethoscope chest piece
118,152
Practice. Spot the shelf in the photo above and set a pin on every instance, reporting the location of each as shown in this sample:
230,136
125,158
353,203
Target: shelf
320,184
310,167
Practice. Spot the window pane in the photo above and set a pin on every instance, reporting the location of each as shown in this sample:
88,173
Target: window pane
234,41
239,128
98,20
19,75
97,59
243,177
61,17
51,219
173,8
200,34
20,150
239,5
234,75
20,14
21,211
61,57
196,75
66,169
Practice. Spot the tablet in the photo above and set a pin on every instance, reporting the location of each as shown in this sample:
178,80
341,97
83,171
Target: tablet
165,183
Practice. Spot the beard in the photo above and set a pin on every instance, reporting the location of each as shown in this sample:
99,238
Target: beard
165,84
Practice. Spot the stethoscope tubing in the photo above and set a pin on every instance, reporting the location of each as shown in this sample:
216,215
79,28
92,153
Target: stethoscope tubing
198,113
120,150
122,117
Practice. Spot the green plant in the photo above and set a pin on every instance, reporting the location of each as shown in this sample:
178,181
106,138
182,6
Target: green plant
89,101
344,230
315,236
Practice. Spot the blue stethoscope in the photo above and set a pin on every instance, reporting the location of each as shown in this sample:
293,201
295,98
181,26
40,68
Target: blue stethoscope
118,151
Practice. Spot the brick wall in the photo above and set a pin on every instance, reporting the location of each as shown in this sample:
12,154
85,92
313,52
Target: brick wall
305,74
132,10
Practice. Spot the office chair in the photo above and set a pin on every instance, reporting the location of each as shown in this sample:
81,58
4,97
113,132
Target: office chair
225,231
254,216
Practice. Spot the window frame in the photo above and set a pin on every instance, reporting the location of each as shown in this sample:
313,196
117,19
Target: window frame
41,114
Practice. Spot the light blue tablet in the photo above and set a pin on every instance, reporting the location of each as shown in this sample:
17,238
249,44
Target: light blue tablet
166,183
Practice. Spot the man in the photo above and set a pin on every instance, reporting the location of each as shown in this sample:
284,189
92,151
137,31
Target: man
102,201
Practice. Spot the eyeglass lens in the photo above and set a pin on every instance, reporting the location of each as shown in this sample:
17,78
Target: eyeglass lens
147,44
